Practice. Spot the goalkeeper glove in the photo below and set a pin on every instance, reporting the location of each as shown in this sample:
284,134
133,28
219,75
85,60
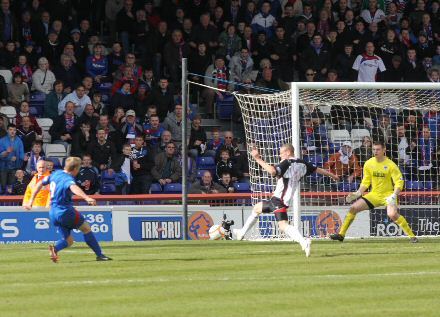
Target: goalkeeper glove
353,196
391,200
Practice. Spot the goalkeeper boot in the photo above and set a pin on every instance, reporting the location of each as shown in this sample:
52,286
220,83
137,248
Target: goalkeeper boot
53,254
237,233
307,247
337,236
413,240
103,257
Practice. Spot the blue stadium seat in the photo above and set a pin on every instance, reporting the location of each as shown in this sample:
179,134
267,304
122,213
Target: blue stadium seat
418,185
242,187
200,173
173,188
107,188
56,162
348,187
156,188
206,162
225,107
37,97
104,87
317,160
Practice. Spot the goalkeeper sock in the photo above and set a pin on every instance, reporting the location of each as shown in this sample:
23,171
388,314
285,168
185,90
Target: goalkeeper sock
90,239
294,235
401,221
250,222
347,222
60,244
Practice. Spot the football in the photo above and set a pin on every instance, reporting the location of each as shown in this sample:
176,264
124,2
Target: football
216,232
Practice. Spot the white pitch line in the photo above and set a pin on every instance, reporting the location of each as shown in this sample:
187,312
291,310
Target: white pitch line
220,279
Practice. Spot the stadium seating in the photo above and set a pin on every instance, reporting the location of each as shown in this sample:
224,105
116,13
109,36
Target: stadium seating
418,185
9,112
357,135
55,150
337,137
156,188
45,124
173,188
225,107
242,187
206,163
348,187
108,186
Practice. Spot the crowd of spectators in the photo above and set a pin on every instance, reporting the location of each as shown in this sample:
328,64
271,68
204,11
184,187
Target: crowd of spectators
109,73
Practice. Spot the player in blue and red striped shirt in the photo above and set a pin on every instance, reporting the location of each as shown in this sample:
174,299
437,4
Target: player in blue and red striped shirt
62,213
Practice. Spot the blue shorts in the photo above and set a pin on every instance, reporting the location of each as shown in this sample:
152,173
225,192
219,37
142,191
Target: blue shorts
67,221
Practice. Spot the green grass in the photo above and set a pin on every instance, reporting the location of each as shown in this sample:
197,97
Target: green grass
224,278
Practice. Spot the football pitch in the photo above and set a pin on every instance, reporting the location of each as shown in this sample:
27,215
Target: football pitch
224,278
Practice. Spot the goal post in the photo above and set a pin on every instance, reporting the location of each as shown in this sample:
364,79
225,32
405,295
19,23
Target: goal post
346,113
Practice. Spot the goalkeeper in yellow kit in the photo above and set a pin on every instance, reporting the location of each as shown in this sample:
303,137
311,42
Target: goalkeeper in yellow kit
386,182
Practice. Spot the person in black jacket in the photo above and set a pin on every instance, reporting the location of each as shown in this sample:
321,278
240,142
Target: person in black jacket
197,139
88,176
162,97
413,70
226,165
67,73
82,139
102,151
90,116
123,98
141,165
3,91
64,126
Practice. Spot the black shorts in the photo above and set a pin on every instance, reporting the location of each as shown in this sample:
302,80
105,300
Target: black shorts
276,206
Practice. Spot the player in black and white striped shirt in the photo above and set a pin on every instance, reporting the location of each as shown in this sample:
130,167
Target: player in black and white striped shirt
289,172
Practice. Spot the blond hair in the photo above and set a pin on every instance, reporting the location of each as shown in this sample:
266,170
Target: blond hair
72,163
289,147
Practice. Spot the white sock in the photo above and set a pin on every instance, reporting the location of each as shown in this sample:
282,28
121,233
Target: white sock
294,234
250,222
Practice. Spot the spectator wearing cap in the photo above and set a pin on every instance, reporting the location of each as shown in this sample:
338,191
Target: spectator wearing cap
124,98
162,97
81,139
64,126
68,73
17,91
264,21
97,64
344,163
167,168
153,130
217,76
43,78
130,129
79,98
173,123
53,99
174,51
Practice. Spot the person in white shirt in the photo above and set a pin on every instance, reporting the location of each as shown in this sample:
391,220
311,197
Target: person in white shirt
368,64
373,13
79,98
43,78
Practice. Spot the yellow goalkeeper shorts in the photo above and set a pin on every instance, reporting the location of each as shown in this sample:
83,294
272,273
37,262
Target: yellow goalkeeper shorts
375,200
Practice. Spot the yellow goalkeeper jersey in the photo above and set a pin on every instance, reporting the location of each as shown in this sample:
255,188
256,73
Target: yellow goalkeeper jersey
383,177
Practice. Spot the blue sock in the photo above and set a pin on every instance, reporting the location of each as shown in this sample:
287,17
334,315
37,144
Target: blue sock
90,239
60,244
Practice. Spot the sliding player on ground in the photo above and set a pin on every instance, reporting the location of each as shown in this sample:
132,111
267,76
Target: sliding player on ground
62,213
289,173
386,182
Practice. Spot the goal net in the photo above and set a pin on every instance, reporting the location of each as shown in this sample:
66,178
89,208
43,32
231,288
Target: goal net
333,126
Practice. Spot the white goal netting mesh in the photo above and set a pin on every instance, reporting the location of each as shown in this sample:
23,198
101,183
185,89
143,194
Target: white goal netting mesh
337,129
